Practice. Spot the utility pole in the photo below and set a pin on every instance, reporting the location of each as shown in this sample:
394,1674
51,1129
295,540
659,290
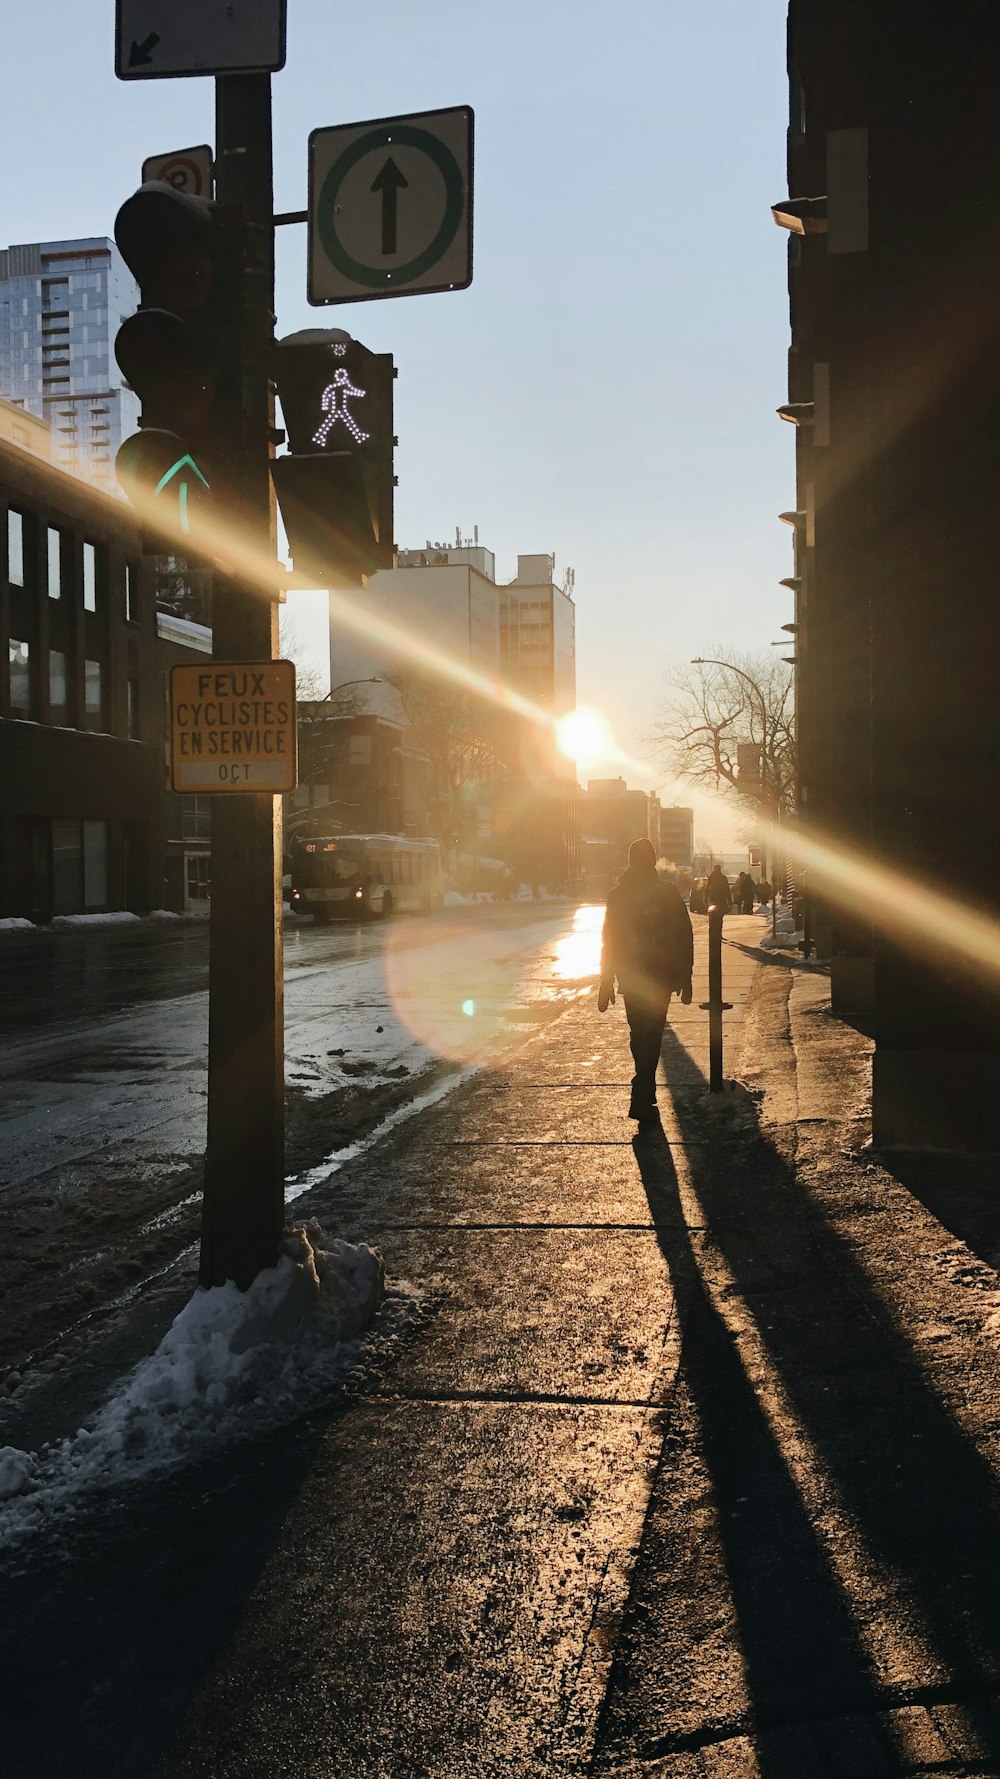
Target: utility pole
244,1165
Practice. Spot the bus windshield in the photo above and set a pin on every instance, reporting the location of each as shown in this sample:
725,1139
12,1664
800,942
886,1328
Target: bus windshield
323,863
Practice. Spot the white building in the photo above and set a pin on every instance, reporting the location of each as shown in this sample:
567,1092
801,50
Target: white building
61,304
538,650
446,597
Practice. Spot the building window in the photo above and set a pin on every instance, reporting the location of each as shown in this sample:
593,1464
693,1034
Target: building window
93,675
196,818
95,864
133,710
67,861
359,750
131,592
20,678
54,546
89,578
58,698
15,548
197,873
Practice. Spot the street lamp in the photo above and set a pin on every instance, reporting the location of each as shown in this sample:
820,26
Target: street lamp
371,679
711,661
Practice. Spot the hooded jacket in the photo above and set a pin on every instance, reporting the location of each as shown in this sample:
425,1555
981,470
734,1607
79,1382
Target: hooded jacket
647,943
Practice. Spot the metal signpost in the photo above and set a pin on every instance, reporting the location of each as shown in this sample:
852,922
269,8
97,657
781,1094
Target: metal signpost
166,39
390,215
186,169
390,207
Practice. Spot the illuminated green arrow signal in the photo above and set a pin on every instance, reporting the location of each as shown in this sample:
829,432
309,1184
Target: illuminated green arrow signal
154,468
182,487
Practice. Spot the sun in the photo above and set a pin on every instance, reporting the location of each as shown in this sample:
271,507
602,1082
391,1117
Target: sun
584,735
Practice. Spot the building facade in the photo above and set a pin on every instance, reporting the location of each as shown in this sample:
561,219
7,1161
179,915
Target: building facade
84,808
61,304
611,817
894,390
538,655
676,843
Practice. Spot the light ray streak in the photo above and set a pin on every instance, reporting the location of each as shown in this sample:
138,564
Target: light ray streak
233,553
898,905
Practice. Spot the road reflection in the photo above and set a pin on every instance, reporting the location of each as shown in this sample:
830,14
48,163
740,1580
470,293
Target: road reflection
461,999
578,952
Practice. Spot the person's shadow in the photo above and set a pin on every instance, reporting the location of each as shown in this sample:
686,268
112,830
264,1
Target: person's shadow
911,1489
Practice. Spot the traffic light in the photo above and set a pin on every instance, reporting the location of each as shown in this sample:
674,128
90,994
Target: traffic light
180,353
335,484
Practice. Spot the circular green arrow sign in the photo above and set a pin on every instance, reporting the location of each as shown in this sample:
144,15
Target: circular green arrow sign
396,136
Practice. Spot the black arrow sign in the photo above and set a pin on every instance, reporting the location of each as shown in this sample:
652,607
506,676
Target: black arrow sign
390,183
141,53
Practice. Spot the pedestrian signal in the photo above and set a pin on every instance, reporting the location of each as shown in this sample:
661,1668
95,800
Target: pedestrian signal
335,484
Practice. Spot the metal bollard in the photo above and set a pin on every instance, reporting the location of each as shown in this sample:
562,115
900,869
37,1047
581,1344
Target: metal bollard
715,1006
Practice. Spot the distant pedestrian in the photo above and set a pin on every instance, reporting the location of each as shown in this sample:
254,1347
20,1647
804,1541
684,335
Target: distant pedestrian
717,891
747,893
764,892
696,898
648,947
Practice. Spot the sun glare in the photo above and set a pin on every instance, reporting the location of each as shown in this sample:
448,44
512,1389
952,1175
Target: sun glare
584,735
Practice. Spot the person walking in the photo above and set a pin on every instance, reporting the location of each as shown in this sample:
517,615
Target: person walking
648,947
717,891
748,890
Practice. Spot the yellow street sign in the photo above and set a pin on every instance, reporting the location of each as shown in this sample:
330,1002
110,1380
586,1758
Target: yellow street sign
232,727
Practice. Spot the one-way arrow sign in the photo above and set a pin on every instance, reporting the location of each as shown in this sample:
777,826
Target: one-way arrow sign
161,39
365,239
389,182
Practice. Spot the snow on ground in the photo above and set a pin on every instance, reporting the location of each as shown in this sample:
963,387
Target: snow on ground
12,923
785,934
116,918
232,1365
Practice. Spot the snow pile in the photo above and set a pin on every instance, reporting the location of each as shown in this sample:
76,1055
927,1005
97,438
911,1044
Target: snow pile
115,917
784,937
164,914
13,923
233,1364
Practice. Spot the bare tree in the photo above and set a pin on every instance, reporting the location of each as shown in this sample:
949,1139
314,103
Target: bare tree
458,732
310,681
730,721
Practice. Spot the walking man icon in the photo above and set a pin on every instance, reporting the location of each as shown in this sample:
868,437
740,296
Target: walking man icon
334,402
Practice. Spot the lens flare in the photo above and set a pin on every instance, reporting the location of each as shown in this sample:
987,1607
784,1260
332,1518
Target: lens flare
584,736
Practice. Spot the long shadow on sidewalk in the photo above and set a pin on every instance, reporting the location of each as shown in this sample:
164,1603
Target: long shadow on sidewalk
925,1503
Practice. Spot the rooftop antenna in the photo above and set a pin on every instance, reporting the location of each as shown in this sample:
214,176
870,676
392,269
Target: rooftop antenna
475,534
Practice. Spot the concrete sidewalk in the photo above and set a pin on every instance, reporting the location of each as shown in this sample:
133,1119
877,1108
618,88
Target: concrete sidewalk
688,1465
691,1466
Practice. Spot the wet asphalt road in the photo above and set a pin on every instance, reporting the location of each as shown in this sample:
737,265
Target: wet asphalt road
103,1077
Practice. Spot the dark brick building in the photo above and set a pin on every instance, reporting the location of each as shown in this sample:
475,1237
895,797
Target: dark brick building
894,386
83,800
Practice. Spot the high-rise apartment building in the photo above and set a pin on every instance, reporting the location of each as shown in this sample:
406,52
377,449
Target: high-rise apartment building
61,304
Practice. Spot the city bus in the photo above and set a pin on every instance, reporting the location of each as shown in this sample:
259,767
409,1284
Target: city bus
353,876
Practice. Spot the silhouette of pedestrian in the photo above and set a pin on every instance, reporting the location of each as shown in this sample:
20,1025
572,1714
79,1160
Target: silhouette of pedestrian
717,891
648,946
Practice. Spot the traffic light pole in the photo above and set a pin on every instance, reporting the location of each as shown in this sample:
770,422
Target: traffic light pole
244,1165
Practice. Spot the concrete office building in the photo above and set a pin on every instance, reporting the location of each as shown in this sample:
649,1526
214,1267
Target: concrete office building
538,654
447,597
676,842
61,304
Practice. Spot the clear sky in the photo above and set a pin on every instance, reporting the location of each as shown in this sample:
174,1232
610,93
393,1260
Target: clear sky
606,388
